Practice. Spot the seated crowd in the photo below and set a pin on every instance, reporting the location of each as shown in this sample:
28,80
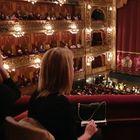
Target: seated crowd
103,86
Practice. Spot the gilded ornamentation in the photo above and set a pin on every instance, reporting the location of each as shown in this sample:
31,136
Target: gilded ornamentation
79,75
101,69
38,26
105,20
127,62
97,50
21,61
78,52
121,3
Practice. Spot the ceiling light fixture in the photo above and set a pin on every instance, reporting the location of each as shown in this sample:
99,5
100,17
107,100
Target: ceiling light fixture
17,31
73,29
60,2
32,1
48,30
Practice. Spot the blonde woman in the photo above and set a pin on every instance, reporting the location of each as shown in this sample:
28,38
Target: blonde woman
49,104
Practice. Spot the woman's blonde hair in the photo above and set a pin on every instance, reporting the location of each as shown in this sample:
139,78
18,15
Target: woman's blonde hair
56,71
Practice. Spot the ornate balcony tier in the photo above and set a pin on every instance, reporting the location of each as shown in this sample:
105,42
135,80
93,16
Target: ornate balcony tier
79,52
73,2
28,60
22,61
79,75
103,69
99,2
97,50
38,25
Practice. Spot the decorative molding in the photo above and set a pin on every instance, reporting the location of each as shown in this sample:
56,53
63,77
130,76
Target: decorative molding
79,52
79,75
128,52
95,71
100,69
121,3
21,61
101,2
73,2
97,50
38,25
28,60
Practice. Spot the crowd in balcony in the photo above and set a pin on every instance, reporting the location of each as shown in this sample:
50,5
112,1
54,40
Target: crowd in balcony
20,15
23,49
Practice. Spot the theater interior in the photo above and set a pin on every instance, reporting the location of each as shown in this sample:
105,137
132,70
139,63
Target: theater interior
104,38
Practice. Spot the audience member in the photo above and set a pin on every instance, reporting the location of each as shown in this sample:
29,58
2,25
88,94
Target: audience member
49,104
9,93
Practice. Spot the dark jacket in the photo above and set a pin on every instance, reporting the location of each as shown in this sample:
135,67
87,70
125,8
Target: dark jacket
9,93
56,114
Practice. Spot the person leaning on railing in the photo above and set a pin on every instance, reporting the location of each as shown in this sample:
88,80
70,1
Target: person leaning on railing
49,105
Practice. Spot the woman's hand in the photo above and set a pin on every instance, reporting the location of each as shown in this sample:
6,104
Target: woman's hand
90,130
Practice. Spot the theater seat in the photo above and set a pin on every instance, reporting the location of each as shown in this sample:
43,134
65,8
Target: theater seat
25,129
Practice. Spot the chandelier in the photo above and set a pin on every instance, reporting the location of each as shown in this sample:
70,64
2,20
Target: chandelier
73,29
32,1
17,31
60,2
36,63
89,59
48,30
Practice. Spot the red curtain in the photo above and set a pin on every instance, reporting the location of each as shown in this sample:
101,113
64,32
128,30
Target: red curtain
128,38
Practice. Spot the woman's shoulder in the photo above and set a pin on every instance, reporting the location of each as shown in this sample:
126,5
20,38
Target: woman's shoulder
53,98
65,100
